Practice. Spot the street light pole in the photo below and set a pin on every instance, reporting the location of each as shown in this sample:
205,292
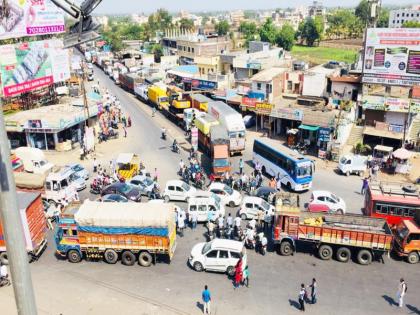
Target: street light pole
13,231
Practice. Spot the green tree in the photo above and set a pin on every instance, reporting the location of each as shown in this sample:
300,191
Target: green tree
311,31
268,31
249,31
286,37
411,24
363,11
383,18
186,23
222,28
157,51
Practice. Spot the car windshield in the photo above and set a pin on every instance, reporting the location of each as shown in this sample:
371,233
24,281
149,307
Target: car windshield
228,189
343,160
220,163
78,168
125,188
304,170
73,177
206,247
265,205
403,232
185,187
148,182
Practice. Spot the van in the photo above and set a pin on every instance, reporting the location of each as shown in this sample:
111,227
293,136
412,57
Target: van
251,206
220,255
205,204
352,164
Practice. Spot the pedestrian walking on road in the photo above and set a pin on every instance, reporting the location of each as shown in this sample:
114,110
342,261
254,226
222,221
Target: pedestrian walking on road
206,296
229,221
238,274
156,175
95,165
365,185
194,218
237,224
314,291
302,294
402,290
125,132
241,166
181,223
246,276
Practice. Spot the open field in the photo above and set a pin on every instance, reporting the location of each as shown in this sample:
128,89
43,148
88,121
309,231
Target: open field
320,55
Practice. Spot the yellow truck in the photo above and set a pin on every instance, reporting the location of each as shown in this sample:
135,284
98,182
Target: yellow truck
158,97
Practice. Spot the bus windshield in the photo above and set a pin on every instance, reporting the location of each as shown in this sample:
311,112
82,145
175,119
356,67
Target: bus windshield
304,170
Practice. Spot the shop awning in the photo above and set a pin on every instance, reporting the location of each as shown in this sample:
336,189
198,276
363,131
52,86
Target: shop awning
309,128
372,131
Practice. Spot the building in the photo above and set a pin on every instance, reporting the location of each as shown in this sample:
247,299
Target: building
236,17
399,16
267,84
316,9
316,82
256,46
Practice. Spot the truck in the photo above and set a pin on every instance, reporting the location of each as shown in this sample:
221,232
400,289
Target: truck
233,123
128,80
34,160
190,114
200,102
141,91
133,232
352,164
31,211
157,96
407,240
331,235
55,188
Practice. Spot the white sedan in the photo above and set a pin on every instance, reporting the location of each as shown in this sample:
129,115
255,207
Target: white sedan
229,196
325,201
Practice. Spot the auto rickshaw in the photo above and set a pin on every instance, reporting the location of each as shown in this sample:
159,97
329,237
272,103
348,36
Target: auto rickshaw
127,165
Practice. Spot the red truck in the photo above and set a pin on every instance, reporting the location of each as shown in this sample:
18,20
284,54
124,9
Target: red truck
331,235
34,226
128,80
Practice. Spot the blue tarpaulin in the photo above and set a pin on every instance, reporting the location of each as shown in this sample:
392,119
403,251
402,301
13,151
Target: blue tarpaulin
124,231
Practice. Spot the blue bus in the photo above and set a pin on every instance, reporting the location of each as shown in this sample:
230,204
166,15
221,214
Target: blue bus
294,170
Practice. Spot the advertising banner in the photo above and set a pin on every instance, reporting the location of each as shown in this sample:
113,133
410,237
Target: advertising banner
31,65
263,108
390,104
30,18
392,56
249,102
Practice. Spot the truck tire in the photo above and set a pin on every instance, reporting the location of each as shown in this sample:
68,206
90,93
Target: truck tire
128,258
110,256
198,266
364,257
3,258
343,254
325,252
145,259
413,258
74,256
230,271
286,249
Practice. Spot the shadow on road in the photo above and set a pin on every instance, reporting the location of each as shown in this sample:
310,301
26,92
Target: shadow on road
413,309
294,304
390,300
200,306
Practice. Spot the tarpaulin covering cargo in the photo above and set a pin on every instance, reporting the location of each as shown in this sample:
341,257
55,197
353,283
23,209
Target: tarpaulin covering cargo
29,180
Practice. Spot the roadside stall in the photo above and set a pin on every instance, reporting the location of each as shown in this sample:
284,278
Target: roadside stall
292,137
381,154
127,165
401,161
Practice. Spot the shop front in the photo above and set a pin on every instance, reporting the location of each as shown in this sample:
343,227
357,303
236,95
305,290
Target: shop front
285,119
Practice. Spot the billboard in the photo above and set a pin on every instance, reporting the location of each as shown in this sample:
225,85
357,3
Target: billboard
392,56
31,65
30,18
390,104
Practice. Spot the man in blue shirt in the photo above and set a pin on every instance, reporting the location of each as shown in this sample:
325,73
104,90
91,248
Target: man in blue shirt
206,299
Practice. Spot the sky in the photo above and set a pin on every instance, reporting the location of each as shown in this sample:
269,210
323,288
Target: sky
147,6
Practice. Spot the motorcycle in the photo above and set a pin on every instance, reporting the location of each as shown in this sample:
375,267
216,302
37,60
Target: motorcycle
175,148
250,243
163,135
262,244
95,187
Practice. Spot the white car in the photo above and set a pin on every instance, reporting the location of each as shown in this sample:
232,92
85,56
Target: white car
219,255
178,190
251,206
321,199
79,170
229,196
78,182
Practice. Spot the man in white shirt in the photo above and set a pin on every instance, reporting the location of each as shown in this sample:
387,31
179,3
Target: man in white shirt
237,224
194,218
252,223
229,221
402,289
3,271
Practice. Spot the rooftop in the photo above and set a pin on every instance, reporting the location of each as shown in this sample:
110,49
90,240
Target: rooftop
346,78
24,199
268,74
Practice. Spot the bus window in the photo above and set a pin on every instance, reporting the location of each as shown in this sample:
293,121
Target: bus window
383,209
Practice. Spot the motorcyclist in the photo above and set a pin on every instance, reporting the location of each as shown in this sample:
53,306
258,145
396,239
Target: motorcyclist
250,238
262,243
175,146
163,133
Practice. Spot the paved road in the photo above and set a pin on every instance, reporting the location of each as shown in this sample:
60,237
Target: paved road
99,288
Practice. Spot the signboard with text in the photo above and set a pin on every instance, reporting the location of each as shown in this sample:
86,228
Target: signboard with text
30,18
30,65
263,108
392,56
287,113
249,102
390,104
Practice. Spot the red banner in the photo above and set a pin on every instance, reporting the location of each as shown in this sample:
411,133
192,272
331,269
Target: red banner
249,102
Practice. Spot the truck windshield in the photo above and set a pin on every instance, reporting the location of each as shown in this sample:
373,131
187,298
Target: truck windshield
163,100
403,232
206,247
343,160
220,163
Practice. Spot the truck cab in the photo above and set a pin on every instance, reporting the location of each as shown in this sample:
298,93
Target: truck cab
59,188
66,235
407,241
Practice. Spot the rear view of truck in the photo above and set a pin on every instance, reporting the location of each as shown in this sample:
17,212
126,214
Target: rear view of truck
130,232
34,226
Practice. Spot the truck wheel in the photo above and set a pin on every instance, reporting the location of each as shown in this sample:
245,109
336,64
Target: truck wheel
230,271
325,252
343,254
198,266
364,257
286,249
128,258
3,258
413,258
145,259
110,256
340,211
74,256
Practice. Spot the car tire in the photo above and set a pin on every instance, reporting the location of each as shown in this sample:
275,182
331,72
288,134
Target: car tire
325,252
167,199
3,258
286,249
145,259
340,211
343,254
128,258
198,266
230,271
364,257
413,258
74,256
243,216
110,256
